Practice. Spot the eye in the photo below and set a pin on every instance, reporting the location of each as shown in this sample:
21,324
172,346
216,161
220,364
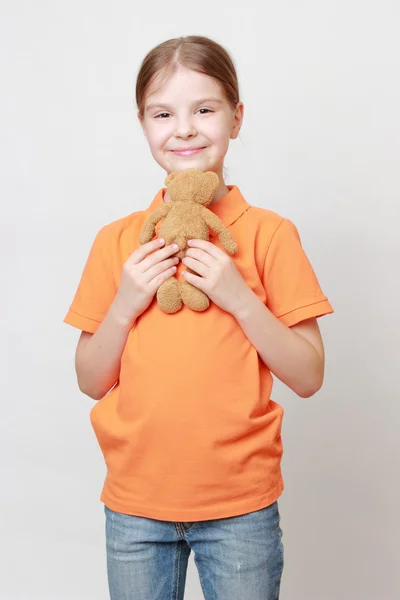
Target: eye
206,109
161,115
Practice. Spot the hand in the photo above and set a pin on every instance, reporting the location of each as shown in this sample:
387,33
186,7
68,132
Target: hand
216,275
142,274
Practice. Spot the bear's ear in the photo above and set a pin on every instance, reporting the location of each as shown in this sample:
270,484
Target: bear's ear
170,177
213,179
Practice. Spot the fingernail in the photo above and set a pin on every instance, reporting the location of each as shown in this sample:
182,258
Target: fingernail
161,241
175,246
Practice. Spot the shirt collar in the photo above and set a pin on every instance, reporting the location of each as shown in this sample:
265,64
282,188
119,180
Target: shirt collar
228,208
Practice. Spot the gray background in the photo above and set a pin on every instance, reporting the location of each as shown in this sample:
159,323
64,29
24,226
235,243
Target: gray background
319,145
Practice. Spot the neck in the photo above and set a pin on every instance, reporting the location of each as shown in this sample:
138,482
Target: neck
220,192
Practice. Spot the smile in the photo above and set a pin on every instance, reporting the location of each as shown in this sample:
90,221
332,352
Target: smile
187,152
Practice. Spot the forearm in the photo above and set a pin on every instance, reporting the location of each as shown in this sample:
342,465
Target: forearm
98,362
289,356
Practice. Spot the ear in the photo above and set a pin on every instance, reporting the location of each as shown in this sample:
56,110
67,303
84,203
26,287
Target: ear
237,120
213,180
140,119
170,177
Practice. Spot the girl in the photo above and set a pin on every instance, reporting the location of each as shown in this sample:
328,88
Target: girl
189,433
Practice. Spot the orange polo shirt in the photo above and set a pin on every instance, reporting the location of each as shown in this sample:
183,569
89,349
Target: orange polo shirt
190,432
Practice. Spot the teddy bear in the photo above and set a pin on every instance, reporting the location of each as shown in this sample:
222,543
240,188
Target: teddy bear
186,217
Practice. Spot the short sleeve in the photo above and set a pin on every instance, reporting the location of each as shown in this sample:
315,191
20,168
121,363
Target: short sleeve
97,287
293,293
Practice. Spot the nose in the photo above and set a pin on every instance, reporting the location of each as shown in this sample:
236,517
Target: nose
185,128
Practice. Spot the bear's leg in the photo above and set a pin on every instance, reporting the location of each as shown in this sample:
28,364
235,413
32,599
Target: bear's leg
169,296
193,297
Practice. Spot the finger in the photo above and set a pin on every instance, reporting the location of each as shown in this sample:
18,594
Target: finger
196,266
198,282
160,268
140,253
201,256
208,247
159,279
158,256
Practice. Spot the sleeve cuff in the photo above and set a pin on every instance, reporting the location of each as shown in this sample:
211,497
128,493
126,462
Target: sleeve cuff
81,322
317,309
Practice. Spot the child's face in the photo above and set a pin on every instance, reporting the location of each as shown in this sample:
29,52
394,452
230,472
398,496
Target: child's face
189,112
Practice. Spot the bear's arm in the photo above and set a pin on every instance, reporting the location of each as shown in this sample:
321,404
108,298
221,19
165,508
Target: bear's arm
217,225
149,226
212,220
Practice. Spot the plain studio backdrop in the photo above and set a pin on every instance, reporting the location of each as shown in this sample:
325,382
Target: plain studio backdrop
320,146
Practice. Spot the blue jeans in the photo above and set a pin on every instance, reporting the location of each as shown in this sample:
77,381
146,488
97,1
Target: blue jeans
237,558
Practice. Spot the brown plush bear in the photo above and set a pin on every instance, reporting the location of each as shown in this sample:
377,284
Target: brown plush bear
186,217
